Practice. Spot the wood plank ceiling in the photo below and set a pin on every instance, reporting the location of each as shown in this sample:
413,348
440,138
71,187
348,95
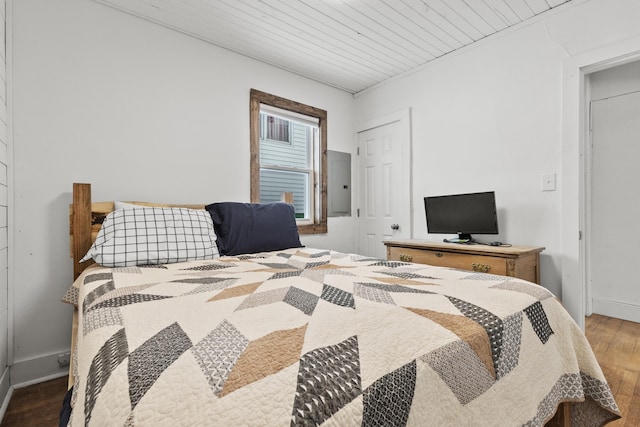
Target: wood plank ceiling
348,44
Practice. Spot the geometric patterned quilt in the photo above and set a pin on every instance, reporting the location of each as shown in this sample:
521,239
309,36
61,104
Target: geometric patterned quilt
307,337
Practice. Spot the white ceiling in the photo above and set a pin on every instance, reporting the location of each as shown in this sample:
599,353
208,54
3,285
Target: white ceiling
348,44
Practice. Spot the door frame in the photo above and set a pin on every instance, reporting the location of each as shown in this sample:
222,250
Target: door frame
404,117
576,158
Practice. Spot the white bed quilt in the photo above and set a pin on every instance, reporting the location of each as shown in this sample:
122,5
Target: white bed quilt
313,337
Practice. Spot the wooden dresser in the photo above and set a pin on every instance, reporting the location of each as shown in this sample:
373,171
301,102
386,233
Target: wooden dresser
515,261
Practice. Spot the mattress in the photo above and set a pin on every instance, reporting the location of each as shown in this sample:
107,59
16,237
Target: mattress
315,337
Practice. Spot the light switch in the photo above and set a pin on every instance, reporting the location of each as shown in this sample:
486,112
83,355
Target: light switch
549,182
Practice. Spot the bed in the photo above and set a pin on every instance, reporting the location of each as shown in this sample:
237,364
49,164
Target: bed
305,336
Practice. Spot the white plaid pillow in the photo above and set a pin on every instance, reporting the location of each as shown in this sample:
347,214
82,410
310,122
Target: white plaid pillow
143,236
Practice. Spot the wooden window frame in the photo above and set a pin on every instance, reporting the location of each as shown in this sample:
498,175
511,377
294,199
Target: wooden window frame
257,98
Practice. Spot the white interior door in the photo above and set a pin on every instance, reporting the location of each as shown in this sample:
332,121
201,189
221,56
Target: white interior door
615,206
384,187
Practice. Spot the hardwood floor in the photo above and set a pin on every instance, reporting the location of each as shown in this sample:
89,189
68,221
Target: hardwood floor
37,405
615,342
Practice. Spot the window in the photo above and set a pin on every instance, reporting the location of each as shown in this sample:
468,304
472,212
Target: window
274,128
288,158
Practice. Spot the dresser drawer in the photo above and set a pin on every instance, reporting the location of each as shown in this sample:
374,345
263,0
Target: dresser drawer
509,260
472,262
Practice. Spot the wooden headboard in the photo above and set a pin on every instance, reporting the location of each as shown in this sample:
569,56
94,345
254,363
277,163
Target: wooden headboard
85,220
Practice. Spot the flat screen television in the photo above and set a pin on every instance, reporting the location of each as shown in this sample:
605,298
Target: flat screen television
462,214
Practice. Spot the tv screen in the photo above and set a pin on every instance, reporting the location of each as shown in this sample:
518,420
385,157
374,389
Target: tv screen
462,214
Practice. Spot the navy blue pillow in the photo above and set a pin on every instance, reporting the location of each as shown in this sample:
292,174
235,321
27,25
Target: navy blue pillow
246,228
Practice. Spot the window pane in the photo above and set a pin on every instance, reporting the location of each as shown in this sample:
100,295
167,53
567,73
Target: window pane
275,182
296,154
278,129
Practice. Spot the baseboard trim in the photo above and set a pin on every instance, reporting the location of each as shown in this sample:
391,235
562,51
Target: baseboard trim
7,389
39,369
617,309
26,373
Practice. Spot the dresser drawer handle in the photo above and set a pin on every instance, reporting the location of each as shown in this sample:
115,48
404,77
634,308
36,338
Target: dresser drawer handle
406,258
439,254
482,268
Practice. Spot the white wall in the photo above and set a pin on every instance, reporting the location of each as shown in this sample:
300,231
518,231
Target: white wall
616,81
4,213
487,119
142,113
490,117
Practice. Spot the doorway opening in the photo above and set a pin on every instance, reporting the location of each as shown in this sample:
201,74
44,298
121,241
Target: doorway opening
575,131
612,102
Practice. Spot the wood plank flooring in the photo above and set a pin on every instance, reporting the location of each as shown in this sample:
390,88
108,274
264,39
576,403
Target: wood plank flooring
37,405
615,342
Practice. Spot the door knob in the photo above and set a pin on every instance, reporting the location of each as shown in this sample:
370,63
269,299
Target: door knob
395,227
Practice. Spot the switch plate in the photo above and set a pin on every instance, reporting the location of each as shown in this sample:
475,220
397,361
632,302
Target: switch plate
549,182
